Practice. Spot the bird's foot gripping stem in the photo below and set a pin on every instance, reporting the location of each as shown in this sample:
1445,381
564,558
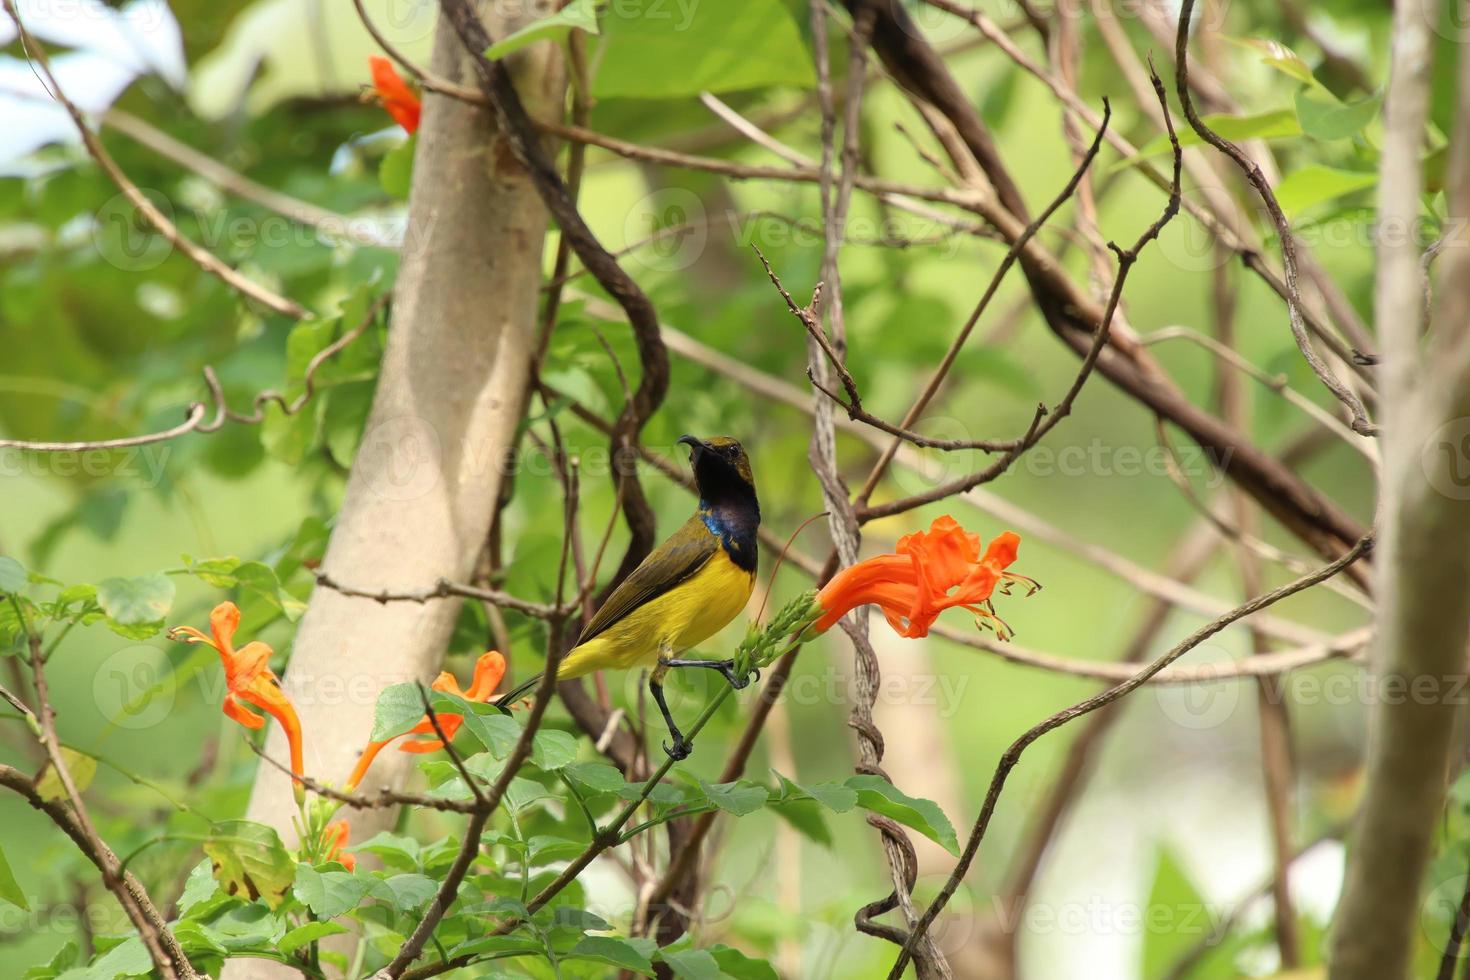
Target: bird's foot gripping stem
725,667
682,747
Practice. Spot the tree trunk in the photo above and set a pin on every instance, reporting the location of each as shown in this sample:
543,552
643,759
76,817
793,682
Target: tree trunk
423,486
1424,564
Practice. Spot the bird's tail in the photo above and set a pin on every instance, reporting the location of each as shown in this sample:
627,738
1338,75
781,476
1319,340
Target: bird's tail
519,691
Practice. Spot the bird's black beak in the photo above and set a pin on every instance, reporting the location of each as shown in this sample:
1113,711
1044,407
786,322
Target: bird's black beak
696,446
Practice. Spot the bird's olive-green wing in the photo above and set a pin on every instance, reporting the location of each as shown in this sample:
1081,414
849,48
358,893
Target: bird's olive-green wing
683,554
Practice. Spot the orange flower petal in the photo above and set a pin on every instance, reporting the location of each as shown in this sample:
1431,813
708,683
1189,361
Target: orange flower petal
399,99
236,711
489,669
929,572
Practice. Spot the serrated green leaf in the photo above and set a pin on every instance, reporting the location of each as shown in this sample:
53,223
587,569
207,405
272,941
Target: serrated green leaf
553,749
199,887
329,893
405,892
250,862
595,777
625,954
128,958
878,795
521,793
136,601
579,14
738,798
398,709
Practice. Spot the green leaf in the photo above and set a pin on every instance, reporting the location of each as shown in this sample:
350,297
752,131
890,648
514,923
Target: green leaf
494,729
577,14
738,798
595,777
837,797
399,708
876,794
1165,941
807,818
1280,57
654,49
1314,184
405,892
395,173
392,848
199,887
521,793
245,927
308,933
544,847
330,893
10,890
128,958
83,769
692,964
1274,124
136,601
12,575
287,437
625,954
734,963
250,861
1323,117
553,749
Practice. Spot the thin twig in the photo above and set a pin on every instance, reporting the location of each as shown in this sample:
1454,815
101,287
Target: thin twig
1360,422
442,589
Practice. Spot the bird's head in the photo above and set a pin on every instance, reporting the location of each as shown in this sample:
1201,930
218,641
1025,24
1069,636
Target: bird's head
721,470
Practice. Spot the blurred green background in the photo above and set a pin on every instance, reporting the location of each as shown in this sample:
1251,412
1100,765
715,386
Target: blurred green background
91,347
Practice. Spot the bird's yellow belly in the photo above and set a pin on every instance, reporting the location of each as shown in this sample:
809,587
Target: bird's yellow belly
685,616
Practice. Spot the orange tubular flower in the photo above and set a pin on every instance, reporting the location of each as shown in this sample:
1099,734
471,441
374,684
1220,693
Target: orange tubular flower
929,572
489,669
398,98
248,677
334,837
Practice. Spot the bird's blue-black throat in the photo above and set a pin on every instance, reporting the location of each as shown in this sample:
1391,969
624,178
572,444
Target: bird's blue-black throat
734,522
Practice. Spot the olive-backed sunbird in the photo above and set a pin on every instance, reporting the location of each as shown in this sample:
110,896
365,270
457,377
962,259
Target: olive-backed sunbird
684,592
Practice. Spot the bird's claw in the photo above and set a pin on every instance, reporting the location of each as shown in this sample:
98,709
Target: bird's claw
741,682
680,750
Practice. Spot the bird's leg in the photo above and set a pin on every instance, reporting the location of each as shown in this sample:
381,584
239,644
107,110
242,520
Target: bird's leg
681,748
725,667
